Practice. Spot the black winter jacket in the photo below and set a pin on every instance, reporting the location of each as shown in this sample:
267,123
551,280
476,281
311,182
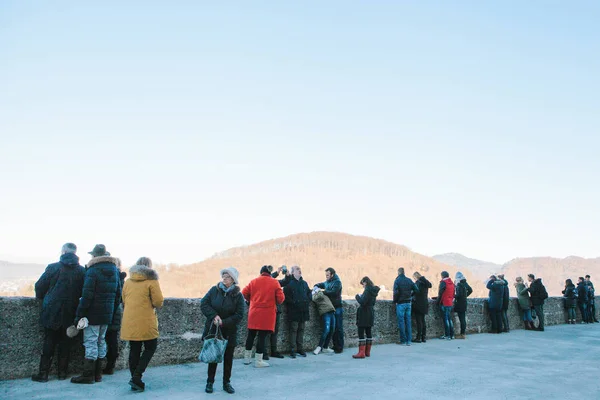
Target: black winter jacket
101,293
365,315
462,291
538,292
570,294
297,298
333,290
582,293
60,289
229,306
505,296
420,302
403,289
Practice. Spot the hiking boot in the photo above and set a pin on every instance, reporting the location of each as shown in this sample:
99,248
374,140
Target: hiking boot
88,376
209,387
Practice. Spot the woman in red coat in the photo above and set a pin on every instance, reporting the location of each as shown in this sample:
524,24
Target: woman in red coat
263,294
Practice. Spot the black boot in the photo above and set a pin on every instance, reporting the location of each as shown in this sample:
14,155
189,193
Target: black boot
88,373
275,353
63,366
42,375
228,388
209,387
98,369
265,356
417,339
110,366
137,384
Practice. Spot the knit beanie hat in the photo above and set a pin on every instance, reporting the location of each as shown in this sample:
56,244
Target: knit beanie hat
233,273
459,276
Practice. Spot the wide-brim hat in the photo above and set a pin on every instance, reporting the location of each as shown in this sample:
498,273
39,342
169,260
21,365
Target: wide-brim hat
99,251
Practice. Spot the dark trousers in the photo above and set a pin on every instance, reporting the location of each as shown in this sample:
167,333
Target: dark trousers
496,317
463,321
592,311
112,344
273,336
227,365
338,335
53,338
260,343
421,327
539,310
504,315
138,361
584,312
362,330
297,335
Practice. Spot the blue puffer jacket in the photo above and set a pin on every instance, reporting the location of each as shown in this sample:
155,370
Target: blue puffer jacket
60,288
101,291
496,296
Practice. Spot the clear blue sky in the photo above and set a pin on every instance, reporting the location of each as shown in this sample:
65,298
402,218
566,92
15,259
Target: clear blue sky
178,129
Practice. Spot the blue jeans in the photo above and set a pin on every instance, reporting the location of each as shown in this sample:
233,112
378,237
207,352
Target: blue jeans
448,324
328,327
527,315
338,335
93,341
404,322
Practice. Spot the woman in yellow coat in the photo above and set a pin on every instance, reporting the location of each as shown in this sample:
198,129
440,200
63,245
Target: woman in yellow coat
141,297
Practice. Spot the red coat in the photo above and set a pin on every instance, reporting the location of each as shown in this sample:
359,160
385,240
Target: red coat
447,296
263,293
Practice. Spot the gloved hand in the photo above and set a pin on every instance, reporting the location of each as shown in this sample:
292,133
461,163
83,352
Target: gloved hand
83,323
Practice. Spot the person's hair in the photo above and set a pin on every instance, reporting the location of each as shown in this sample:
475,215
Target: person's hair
532,276
265,268
294,267
331,271
270,268
401,271
501,276
568,282
587,276
519,279
144,261
69,248
367,280
581,278
417,275
445,274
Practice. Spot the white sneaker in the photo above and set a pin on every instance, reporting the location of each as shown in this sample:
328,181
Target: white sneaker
317,350
258,361
327,351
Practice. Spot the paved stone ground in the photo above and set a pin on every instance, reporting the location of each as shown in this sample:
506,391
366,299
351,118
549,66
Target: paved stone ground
561,363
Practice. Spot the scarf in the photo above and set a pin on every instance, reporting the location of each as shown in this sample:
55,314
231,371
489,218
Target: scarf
225,288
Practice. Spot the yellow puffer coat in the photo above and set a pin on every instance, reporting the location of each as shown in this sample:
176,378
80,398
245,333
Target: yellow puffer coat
141,296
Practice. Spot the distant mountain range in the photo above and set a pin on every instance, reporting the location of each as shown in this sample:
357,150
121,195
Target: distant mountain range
481,269
352,256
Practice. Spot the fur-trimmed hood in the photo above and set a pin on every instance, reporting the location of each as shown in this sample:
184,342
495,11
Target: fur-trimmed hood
102,259
142,273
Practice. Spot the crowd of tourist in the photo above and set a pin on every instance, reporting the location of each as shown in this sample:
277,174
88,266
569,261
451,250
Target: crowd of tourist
98,301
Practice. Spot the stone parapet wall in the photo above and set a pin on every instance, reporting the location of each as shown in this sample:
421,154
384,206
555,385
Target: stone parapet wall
181,324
